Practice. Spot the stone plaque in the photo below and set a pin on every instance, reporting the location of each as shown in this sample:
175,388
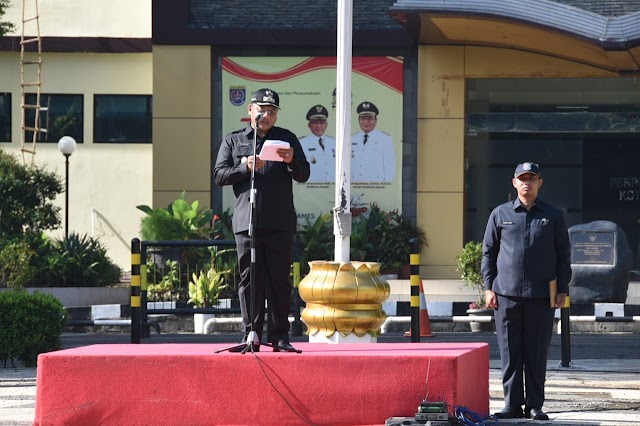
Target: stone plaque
592,248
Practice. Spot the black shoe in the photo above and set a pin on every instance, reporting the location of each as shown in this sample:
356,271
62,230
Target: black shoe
283,345
535,414
510,413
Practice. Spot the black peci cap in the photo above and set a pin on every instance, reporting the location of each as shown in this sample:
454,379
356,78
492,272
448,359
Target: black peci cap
266,97
367,108
317,112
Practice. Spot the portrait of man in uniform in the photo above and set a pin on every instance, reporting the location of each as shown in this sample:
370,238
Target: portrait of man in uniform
319,148
373,154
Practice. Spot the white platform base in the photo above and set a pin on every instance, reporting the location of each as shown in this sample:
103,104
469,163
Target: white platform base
339,338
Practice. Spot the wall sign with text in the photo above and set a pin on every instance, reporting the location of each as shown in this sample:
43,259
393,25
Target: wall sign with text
307,90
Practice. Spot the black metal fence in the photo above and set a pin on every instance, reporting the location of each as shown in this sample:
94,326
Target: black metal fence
161,272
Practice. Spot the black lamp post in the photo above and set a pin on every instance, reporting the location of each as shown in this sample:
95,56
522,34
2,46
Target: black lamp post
66,145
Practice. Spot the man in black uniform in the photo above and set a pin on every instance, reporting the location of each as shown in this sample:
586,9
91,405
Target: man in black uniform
275,218
526,247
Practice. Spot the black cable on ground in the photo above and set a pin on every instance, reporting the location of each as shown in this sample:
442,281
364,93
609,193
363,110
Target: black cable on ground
277,391
470,418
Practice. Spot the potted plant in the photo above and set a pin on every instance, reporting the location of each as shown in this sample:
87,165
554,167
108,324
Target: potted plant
164,282
469,264
397,234
178,221
206,286
316,240
378,236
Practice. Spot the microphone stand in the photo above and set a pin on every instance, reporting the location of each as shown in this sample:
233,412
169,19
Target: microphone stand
252,341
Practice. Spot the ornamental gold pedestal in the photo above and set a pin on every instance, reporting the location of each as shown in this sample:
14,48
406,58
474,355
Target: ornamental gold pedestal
343,301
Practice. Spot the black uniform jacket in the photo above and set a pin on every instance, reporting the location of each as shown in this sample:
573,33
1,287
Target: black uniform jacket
273,182
523,250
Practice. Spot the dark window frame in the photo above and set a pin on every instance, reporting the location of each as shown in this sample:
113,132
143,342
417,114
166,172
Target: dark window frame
98,134
75,130
5,118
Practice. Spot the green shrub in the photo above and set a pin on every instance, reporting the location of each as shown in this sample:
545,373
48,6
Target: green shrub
26,199
76,261
164,282
470,264
316,241
24,260
396,233
31,325
178,221
79,261
379,236
16,270
26,211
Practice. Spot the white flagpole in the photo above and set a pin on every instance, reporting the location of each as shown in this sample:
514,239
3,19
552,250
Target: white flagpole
342,209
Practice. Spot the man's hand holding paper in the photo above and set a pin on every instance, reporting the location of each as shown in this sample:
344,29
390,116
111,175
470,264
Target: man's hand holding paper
276,150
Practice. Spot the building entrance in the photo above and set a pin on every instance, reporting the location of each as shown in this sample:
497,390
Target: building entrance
584,133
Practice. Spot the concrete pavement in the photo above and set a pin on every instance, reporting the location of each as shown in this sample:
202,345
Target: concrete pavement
604,391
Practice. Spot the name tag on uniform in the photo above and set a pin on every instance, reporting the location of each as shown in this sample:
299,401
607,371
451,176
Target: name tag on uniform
507,222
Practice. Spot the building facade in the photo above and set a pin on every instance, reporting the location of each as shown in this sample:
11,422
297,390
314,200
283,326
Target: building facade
96,79
484,85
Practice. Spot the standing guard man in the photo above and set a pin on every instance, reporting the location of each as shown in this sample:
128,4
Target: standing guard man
526,252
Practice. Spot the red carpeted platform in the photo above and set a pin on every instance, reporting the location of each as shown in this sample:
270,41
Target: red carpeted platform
188,384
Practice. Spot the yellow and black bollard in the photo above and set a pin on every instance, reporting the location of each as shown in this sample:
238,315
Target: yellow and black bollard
135,290
414,261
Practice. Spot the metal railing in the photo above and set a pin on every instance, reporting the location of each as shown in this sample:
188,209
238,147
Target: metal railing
160,276
161,272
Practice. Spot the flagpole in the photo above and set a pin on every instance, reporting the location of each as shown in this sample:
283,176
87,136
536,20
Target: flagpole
342,208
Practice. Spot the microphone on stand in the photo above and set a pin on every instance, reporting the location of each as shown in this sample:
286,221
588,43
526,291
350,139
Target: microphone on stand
258,118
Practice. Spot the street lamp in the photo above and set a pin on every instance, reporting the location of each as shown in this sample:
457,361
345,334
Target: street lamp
66,145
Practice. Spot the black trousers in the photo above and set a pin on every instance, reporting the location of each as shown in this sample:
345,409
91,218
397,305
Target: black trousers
524,327
272,268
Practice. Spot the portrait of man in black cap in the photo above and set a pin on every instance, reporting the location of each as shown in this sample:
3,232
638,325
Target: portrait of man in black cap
319,148
373,154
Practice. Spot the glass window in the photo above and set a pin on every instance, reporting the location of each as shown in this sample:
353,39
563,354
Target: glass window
61,116
584,133
5,117
122,119
553,106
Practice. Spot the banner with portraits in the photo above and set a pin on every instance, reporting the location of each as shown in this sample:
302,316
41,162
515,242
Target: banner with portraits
307,90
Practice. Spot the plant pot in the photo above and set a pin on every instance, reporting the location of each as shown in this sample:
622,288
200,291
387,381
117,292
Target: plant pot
343,298
477,326
198,322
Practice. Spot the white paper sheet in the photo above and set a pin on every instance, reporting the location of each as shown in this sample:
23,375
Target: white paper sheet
269,148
